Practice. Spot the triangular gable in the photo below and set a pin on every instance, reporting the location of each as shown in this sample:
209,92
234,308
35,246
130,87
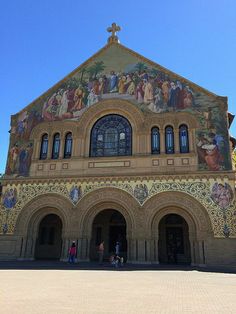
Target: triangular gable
122,60
116,72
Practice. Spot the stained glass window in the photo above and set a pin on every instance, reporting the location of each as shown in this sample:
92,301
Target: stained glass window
68,145
169,137
155,140
111,136
44,147
56,146
183,139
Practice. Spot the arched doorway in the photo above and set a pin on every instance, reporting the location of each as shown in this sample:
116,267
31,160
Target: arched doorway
49,239
108,226
174,245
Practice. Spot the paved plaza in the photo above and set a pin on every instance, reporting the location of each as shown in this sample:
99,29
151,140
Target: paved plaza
107,290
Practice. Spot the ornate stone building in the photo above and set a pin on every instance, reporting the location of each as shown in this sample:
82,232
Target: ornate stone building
123,150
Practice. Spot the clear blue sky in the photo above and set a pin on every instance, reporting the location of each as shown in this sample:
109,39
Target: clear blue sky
42,41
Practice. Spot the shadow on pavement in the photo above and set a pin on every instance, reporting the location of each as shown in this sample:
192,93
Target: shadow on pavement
57,265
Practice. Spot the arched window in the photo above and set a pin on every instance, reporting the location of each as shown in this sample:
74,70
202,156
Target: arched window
111,136
183,139
44,147
68,145
169,137
56,146
155,140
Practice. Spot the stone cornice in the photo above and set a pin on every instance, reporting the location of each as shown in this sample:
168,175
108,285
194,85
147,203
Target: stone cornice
203,176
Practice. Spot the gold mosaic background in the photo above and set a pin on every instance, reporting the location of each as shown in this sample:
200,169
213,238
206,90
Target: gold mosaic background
223,220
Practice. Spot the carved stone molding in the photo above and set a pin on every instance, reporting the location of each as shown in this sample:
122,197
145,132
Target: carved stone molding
110,106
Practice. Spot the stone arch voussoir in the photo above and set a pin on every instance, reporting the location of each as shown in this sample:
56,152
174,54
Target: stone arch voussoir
33,212
180,203
111,106
108,198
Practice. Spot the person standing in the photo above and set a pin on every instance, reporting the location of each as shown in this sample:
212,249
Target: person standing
117,248
72,252
101,252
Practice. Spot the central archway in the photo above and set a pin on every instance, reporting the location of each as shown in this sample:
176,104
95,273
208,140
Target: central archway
109,226
174,244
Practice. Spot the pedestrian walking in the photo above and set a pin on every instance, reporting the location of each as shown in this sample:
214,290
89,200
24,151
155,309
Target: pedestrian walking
72,252
101,252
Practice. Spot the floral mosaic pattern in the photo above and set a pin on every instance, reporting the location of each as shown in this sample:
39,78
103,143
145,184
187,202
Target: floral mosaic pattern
223,219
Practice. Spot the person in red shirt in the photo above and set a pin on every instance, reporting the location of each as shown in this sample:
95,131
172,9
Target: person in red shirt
72,252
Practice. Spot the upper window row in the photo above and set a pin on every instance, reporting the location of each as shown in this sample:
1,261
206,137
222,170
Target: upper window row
112,136
56,146
169,140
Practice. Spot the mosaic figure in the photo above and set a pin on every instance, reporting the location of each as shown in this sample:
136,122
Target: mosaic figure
141,192
10,198
222,195
75,194
208,148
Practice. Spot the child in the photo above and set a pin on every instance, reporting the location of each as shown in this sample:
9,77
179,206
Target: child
117,261
112,260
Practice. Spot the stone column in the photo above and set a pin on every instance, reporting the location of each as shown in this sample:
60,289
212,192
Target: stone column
22,247
193,252
50,146
29,248
64,249
142,149
76,147
62,145
190,140
36,151
176,140
162,141
154,254
141,251
148,250
202,250
85,243
131,247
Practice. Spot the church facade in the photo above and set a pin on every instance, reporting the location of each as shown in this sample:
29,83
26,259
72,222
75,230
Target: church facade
121,150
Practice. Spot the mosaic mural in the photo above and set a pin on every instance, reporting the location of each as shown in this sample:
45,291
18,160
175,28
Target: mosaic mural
75,194
234,159
221,209
116,72
9,198
222,194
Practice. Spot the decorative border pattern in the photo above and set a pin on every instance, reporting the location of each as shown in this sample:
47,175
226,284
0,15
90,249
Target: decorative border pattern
223,220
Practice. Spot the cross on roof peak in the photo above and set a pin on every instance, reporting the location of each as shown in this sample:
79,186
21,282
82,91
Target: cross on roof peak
113,29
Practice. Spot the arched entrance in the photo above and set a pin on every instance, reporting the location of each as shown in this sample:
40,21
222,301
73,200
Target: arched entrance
108,226
49,239
174,245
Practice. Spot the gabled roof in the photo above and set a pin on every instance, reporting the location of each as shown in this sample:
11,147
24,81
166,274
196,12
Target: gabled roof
128,52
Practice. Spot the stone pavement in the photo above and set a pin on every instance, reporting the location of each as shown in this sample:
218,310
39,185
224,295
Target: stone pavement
60,288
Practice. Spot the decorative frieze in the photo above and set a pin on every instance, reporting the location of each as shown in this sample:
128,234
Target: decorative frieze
215,197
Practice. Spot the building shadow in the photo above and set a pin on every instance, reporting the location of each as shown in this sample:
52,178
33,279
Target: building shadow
106,266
